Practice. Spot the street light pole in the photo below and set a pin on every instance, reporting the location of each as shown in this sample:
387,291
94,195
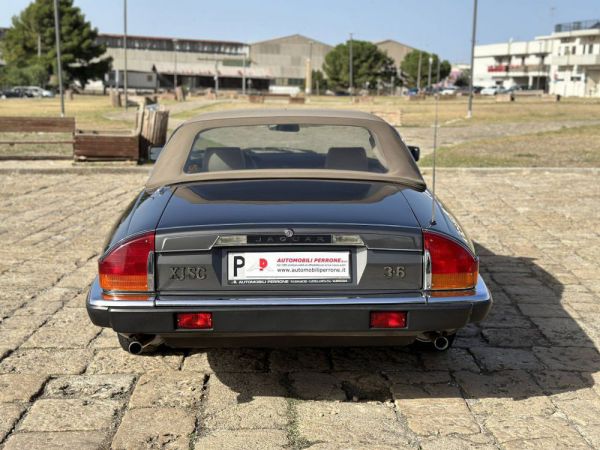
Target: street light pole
350,68
473,36
429,72
244,75
175,68
419,72
125,53
58,59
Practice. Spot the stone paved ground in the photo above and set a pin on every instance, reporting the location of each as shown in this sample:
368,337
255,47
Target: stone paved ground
526,378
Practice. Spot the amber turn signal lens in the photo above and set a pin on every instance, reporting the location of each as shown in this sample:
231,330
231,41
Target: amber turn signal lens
126,267
452,265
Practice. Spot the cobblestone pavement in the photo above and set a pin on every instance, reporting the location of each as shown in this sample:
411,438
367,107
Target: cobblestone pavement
528,377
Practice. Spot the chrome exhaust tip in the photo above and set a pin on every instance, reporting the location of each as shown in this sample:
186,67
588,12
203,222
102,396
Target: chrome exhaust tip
135,347
441,343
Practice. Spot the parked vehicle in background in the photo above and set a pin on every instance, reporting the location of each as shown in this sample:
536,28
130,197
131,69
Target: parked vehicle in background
493,90
10,93
32,91
449,90
515,88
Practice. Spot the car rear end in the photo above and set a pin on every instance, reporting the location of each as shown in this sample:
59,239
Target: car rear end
344,263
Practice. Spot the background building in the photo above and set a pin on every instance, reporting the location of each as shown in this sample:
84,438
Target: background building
395,50
523,63
566,62
155,62
575,59
285,58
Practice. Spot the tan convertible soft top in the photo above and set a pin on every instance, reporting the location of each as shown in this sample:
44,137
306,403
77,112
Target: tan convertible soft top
169,169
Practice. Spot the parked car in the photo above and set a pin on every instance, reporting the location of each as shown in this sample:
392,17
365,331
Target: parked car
32,91
286,227
9,93
493,90
449,90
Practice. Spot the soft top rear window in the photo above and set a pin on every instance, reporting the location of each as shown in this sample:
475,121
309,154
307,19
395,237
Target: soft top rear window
285,146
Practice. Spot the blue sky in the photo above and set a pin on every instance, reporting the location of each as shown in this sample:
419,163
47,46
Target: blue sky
442,26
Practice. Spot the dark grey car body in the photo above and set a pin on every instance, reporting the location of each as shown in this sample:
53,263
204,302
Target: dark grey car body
189,218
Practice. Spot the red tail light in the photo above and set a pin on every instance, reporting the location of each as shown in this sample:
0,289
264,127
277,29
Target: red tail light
126,267
194,321
452,265
388,319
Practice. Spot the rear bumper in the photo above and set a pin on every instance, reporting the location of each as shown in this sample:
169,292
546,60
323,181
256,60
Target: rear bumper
325,316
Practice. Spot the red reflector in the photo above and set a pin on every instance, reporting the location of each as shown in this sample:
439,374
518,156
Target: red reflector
388,319
194,321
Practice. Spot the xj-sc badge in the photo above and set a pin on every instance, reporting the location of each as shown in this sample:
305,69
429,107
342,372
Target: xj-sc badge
187,272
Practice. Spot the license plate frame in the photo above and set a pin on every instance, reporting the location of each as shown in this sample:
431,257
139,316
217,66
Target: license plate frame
320,262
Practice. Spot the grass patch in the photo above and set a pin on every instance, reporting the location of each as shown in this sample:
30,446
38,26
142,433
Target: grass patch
567,147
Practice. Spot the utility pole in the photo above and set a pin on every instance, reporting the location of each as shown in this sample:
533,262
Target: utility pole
175,68
58,59
429,72
308,83
350,68
473,36
419,72
216,78
125,52
244,75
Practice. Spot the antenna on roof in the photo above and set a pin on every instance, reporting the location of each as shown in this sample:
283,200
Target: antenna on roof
435,131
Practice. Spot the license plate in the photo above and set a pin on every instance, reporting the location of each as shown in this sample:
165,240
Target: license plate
288,267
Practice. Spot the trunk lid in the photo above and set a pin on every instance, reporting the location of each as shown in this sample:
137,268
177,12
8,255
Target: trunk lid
367,229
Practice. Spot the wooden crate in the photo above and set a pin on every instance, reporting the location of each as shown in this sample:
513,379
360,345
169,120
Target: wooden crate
106,146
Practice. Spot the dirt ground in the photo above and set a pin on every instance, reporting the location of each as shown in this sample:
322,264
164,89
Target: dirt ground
527,132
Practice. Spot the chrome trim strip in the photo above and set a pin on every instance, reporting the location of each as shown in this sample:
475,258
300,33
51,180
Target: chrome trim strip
95,300
426,270
150,270
277,301
101,303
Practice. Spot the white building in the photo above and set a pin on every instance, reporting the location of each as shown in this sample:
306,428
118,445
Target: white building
566,62
575,59
523,63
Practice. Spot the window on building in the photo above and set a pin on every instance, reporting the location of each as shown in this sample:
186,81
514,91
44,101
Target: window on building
574,50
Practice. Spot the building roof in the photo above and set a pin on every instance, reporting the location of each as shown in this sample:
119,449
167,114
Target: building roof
170,38
393,41
295,36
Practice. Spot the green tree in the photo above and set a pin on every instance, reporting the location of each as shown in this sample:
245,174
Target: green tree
410,68
369,65
462,80
29,46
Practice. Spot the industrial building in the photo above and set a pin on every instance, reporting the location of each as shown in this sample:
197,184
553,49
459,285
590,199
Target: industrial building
160,62
287,58
395,50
